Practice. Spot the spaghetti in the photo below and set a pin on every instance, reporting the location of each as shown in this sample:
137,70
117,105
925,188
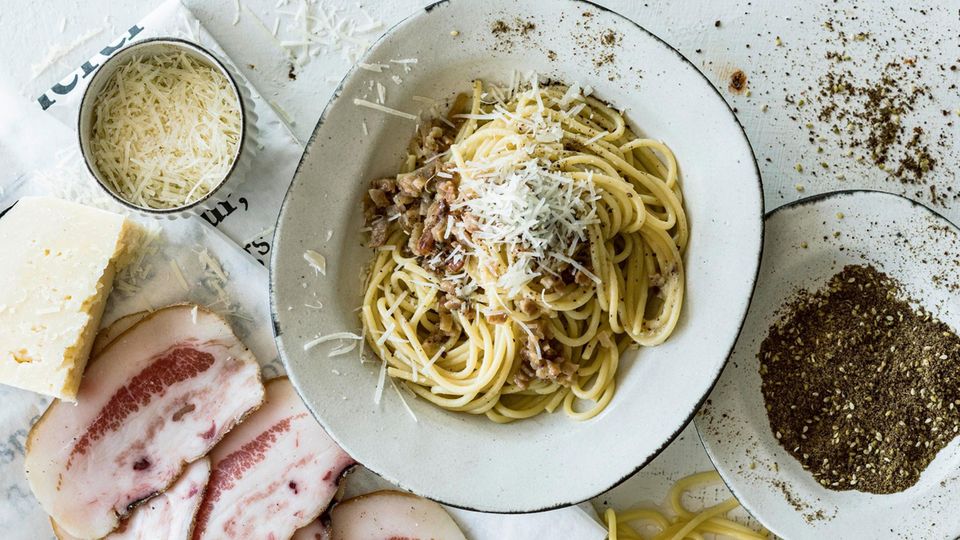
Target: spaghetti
529,239
685,523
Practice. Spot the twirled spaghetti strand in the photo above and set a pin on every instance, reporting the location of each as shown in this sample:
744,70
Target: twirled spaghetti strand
632,255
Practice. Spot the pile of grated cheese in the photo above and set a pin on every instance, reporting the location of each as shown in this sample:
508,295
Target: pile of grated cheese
539,216
522,205
166,130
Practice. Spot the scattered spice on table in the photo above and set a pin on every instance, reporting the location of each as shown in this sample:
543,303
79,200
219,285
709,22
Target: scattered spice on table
877,103
860,387
872,113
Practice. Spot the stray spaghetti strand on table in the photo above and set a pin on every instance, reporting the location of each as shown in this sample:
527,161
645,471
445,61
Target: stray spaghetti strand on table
685,523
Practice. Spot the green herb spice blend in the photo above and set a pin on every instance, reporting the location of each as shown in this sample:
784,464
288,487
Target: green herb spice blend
860,387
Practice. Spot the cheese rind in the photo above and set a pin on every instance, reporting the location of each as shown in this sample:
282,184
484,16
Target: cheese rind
60,259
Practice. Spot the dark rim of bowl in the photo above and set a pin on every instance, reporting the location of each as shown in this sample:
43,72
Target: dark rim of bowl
208,55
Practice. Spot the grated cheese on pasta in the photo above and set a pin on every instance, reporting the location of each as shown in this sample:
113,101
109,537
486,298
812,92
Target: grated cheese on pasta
521,202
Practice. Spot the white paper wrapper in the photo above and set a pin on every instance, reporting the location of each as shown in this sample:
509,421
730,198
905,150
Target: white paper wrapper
39,156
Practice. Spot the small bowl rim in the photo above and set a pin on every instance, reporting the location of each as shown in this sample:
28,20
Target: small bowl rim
88,96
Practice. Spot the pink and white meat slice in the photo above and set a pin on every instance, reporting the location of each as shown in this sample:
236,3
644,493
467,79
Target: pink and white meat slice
273,474
169,515
393,515
157,397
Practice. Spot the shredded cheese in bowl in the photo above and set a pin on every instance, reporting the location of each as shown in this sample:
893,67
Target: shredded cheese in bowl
166,130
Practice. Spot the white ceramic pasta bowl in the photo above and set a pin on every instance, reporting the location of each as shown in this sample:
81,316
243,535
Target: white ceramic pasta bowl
551,460
911,244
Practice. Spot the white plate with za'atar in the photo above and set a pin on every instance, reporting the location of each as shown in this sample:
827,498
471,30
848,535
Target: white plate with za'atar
550,460
806,243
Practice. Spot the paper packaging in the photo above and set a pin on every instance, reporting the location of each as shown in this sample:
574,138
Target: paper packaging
250,210
249,224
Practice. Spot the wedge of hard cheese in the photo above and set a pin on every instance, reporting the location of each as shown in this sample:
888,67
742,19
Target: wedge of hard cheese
59,260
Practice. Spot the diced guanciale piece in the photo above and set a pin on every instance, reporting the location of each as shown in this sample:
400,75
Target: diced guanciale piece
157,397
275,473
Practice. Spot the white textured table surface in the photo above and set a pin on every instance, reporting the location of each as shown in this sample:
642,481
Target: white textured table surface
789,51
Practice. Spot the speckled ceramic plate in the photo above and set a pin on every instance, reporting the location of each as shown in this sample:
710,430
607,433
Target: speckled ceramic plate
548,461
911,244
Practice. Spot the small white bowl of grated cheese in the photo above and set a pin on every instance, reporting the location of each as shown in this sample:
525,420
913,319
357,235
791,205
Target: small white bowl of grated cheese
162,126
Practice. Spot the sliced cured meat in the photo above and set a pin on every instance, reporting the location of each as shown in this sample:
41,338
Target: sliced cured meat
169,515
272,475
159,396
316,530
106,335
392,514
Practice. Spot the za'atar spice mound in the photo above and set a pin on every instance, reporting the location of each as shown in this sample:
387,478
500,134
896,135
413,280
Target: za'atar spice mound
861,387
